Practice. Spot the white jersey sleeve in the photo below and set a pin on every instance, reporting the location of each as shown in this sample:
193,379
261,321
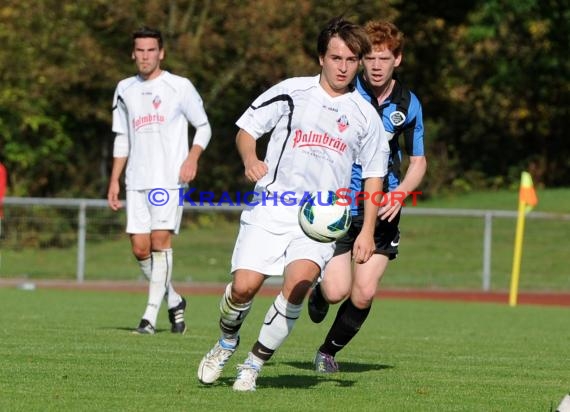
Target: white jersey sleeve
120,113
264,113
193,108
374,148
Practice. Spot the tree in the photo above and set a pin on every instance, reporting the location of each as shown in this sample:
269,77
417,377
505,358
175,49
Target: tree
507,88
493,77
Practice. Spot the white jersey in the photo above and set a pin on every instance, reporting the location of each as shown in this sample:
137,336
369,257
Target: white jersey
155,115
316,138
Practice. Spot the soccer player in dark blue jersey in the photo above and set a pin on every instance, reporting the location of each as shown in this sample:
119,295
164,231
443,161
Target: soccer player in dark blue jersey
355,283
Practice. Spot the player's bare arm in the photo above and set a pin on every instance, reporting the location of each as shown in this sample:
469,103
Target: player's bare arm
364,245
255,169
414,175
189,168
114,186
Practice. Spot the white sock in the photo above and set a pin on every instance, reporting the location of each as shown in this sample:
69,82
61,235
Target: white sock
146,267
159,279
278,323
254,360
172,297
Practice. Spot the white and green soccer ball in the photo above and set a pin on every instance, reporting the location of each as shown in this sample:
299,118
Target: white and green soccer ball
323,218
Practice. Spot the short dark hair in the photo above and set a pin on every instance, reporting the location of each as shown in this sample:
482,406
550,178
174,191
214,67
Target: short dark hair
146,32
352,34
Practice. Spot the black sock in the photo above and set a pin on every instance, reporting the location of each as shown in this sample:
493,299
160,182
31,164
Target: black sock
346,325
262,352
319,294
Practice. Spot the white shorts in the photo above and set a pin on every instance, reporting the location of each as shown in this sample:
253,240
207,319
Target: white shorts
155,209
270,238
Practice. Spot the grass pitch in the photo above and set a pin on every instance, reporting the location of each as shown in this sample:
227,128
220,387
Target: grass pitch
70,350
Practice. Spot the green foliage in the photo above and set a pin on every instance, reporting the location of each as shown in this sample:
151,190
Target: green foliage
508,117
492,76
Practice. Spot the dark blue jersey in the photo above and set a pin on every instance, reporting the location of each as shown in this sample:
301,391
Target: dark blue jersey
401,114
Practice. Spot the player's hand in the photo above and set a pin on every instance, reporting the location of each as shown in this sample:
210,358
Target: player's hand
393,205
363,248
255,170
113,196
188,170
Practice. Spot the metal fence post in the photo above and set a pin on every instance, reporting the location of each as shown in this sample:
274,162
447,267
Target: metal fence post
487,239
81,234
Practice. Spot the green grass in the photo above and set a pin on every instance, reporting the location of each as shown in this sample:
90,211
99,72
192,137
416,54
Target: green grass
71,350
549,200
435,252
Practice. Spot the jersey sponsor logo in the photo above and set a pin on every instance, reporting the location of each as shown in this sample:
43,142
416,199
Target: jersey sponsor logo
324,140
342,123
148,119
397,118
156,102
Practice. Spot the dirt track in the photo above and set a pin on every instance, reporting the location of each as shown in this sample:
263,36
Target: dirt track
524,298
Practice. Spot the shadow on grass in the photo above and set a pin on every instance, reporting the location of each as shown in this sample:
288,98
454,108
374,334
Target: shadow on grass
299,381
304,381
344,366
288,381
132,329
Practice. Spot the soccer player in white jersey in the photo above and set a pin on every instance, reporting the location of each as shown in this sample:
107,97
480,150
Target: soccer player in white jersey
151,115
319,125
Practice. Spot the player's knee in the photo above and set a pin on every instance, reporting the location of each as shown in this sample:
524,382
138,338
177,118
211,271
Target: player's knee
245,285
242,293
363,299
335,295
141,253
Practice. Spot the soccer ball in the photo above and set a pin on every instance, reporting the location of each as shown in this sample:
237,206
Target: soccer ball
322,218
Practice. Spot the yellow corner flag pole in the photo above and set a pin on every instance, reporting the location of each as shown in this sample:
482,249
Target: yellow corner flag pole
527,200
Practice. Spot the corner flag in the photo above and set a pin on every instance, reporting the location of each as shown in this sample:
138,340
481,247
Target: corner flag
527,200
527,194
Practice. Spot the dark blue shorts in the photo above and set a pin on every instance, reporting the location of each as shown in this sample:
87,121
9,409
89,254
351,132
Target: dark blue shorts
386,237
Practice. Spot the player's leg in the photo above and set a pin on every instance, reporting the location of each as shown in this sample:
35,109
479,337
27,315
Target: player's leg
354,311
255,252
279,321
161,273
234,307
332,287
304,260
337,278
334,283
170,218
140,244
139,229
176,303
164,220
